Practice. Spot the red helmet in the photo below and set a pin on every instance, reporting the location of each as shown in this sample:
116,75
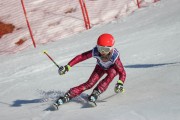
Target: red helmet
106,40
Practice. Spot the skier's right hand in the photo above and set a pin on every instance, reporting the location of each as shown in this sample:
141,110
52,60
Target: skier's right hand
63,69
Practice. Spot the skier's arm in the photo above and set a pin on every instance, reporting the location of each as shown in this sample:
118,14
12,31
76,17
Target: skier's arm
122,76
80,58
120,69
63,69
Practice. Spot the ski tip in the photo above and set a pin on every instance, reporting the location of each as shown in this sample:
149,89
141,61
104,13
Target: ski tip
89,105
52,108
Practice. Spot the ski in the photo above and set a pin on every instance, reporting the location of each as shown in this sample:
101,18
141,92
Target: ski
52,107
89,104
83,100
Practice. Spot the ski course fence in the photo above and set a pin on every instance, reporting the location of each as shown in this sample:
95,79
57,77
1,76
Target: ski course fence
53,20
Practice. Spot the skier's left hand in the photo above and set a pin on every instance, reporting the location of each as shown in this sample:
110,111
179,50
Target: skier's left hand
63,69
119,87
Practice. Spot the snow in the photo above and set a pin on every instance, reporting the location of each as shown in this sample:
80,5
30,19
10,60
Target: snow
148,41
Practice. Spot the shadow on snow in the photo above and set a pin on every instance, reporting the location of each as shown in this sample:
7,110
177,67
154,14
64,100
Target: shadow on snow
150,65
19,103
48,97
134,65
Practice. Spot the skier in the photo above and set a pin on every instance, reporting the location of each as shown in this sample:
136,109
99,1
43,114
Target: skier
108,61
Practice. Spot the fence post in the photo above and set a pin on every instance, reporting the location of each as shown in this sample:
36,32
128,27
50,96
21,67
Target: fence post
138,3
29,27
85,14
156,1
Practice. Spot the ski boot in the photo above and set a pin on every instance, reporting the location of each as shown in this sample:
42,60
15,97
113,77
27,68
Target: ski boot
93,97
62,100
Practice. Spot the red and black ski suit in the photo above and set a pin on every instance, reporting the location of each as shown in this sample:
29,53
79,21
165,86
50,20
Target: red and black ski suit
112,68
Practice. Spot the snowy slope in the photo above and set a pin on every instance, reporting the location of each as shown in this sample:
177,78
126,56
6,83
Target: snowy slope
148,41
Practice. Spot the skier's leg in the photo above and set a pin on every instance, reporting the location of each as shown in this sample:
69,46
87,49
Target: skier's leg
103,85
73,92
95,76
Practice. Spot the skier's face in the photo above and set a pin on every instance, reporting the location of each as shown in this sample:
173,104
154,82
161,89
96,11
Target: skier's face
105,56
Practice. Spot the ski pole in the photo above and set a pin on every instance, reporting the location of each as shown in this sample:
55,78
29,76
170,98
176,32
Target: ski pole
45,52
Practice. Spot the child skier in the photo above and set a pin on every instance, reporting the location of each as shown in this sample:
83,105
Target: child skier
108,61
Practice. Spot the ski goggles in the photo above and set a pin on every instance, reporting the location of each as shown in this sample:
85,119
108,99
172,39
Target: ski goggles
103,49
